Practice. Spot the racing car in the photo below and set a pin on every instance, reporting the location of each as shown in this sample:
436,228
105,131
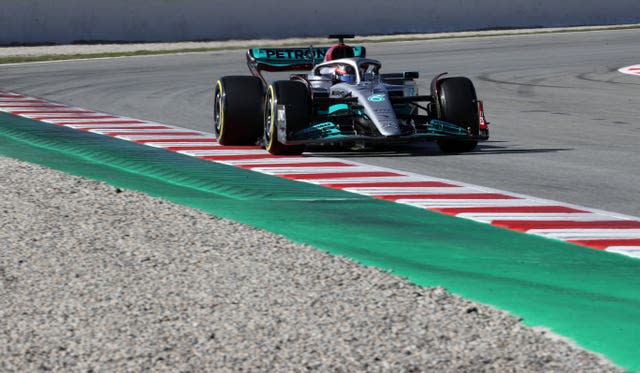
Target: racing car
340,97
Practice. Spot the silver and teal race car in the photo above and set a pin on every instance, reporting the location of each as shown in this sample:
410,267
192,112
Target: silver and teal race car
342,99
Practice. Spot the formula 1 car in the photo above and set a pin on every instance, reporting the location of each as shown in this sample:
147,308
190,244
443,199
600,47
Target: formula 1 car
343,99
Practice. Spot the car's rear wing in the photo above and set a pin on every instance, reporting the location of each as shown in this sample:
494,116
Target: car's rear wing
289,59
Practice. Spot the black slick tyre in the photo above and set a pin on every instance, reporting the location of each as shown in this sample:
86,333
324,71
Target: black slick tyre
296,99
458,105
237,110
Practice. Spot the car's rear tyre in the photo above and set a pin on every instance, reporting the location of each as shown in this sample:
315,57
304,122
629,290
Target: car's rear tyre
297,101
237,110
458,105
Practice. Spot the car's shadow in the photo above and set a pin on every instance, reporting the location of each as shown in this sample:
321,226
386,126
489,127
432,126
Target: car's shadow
428,149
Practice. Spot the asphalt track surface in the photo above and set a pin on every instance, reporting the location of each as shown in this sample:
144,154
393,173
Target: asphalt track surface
106,86
564,121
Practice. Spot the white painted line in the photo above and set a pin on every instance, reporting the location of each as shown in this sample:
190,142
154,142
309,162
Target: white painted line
276,160
58,110
222,151
30,107
631,70
632,251
162,132
181,144
117,127
384,179
157,137
92,120
314,170
61,116
412,190
546,216
587,234
455,203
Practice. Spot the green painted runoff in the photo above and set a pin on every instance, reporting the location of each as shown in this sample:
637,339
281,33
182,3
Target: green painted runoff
590,296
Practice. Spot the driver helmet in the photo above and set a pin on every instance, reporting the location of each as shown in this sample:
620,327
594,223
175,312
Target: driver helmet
345,74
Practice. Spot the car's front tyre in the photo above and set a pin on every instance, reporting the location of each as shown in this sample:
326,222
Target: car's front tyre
296,99
237,110
458,105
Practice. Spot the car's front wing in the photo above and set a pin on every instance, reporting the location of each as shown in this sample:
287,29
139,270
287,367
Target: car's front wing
327,132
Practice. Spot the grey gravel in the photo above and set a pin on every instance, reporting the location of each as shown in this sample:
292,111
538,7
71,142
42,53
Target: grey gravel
95,278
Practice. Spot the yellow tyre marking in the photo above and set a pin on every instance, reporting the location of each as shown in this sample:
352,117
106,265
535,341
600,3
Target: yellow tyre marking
272,119
219,84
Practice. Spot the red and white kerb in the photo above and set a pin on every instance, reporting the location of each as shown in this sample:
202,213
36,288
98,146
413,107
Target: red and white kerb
579,225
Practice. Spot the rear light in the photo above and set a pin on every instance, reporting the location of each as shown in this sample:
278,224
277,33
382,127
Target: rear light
483,122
